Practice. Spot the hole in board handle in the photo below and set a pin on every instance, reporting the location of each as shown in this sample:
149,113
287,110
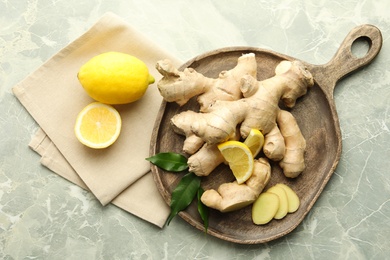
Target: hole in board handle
361,46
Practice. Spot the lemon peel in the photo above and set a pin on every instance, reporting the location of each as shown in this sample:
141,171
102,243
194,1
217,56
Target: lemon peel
115,78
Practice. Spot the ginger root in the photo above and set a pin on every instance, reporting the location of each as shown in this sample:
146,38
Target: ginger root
205,160
293,162
234,196
257,109
274,146
230,106
179,87
192,143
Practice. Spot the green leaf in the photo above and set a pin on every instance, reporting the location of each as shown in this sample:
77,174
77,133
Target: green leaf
173,162
184,194
203,210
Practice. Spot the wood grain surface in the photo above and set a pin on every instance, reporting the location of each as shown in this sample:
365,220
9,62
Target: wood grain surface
316,116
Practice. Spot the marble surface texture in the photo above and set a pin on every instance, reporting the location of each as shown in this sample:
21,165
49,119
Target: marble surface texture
42,216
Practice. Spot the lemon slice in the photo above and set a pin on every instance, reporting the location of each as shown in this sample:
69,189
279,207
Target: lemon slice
254,141
98,125
239,158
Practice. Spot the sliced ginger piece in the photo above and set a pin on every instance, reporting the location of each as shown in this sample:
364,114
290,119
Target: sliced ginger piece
283,201
292,197
265,208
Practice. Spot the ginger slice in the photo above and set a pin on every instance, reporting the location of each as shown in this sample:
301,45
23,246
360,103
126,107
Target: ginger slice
265,208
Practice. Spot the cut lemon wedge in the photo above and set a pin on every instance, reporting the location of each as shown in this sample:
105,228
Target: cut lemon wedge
98,125
239,158
254,141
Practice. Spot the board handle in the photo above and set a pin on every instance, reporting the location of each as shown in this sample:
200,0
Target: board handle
344,61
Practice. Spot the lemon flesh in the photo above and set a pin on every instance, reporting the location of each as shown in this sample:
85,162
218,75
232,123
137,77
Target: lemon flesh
239,158
115,78
254,141
98,125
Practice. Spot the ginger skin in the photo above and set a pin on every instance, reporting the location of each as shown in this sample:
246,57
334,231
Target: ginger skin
205,160
258,109
274,146
192,143
235,99
293,162
179,87
234,196
230,106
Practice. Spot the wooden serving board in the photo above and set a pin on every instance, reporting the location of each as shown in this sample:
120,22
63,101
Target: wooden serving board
316,116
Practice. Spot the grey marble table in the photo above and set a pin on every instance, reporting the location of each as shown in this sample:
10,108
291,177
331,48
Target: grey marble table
42,216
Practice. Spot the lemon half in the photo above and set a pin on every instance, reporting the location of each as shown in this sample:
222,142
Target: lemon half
98,125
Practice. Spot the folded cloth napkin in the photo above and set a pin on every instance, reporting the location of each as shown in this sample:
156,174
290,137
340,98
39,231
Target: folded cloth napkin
141,198
54,97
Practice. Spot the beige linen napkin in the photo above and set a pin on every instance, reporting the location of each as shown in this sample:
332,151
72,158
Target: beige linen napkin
142,198
54,97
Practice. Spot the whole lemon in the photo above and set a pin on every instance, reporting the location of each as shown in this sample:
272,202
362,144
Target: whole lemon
115,78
